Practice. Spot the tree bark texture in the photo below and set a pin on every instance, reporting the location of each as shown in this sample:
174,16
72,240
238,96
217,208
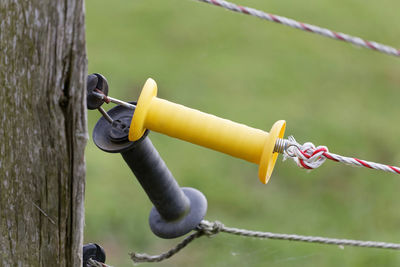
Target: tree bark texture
42,132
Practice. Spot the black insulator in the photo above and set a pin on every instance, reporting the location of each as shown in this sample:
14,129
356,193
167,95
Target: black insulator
95,82
94,252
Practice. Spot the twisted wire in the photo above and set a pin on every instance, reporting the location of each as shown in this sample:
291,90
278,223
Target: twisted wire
301,238
306,27
309,156
143,257
212,228
94,263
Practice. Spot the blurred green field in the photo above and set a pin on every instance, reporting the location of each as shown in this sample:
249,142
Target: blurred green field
254,72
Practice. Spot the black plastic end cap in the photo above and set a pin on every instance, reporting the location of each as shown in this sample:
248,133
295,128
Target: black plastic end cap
110,139
94,252
185,224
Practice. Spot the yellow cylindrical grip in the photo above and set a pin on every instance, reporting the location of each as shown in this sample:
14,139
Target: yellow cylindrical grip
235,139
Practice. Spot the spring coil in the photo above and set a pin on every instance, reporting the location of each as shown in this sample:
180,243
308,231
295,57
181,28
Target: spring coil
281,145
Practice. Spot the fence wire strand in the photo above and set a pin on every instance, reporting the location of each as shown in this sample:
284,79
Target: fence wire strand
306,27
207,228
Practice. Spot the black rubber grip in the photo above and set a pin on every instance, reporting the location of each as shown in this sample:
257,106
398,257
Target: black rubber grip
157,180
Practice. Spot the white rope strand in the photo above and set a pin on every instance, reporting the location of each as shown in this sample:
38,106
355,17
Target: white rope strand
306,27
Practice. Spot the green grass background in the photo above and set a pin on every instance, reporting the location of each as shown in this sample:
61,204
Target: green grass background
254,72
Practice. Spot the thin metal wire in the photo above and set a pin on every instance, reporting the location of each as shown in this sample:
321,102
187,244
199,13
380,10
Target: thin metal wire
105,115
122,103
108,99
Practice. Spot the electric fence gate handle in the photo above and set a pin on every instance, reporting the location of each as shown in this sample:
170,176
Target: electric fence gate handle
206,130
176,210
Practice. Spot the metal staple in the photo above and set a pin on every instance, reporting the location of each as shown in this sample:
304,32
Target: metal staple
305,27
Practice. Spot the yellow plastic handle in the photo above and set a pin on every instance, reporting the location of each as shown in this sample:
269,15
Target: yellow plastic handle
235,139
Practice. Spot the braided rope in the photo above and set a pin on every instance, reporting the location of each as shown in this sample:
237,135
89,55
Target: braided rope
308,156
212,228
306,27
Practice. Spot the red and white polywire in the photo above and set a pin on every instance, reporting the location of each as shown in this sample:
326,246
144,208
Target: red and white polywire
308,156
306,27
